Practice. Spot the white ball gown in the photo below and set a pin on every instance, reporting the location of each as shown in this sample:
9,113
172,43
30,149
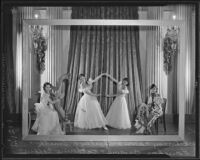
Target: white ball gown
88,113
118,115
47,121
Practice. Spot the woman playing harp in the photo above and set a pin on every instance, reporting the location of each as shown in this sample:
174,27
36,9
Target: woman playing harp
58,92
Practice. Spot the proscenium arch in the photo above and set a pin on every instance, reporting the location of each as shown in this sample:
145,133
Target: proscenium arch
88,22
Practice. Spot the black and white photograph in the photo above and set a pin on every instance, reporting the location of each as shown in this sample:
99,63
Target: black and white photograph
100,80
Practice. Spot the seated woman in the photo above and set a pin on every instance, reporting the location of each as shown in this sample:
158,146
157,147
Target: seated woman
58,92
47,121
147,114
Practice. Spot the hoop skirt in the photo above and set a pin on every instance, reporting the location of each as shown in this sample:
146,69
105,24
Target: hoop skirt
88,113
118,115
47,120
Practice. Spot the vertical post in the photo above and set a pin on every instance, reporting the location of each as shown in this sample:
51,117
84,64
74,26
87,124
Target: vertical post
182,83
25,81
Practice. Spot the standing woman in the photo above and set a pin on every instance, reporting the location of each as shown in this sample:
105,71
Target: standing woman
88,113
118,116
47,121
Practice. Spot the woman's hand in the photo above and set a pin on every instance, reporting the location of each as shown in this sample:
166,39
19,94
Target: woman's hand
108,95
67,75
105,74
98,95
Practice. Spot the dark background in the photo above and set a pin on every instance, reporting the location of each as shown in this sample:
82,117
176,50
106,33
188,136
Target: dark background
6,6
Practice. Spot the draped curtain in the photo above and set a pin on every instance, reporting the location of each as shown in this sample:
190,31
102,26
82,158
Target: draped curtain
99,49
7,65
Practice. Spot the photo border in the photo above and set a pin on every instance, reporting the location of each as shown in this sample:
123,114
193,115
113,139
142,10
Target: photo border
8,4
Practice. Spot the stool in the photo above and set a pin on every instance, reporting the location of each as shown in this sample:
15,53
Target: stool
69,124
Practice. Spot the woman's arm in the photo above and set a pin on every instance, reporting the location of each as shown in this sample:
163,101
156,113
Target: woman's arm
91,94
54,101
119,93
98,77
113,95
113,79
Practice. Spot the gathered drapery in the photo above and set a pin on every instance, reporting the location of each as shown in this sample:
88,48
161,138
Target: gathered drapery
7,65
104,49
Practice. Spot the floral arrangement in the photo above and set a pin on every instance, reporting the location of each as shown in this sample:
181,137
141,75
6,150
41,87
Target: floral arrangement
170,48
39,43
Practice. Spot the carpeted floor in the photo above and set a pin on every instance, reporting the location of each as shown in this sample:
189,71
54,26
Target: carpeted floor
172,129
15,146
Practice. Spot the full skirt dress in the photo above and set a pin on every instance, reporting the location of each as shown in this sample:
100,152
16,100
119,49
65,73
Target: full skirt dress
118,115
89,114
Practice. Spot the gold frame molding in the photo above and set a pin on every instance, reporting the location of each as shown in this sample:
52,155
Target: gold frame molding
110,22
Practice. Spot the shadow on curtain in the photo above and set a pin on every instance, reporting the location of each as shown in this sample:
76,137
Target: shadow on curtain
99,49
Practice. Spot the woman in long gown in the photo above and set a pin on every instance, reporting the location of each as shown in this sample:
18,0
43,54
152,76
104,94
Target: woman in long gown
148,113
88,113
47,121
118,115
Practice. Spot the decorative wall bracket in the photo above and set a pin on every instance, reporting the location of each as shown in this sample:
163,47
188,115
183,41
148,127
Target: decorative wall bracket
170,47
39,44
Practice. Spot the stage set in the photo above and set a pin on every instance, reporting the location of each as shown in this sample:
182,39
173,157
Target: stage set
117,74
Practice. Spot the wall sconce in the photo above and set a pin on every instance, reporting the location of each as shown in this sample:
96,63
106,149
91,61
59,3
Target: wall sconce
39,44
174,17
170,47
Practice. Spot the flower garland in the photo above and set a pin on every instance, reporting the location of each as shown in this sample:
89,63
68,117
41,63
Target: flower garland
170,48
39,46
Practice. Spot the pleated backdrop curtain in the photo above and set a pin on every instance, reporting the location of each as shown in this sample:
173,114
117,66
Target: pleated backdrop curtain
99,49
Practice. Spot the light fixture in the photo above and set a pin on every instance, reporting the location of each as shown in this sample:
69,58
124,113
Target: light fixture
174,17
36,16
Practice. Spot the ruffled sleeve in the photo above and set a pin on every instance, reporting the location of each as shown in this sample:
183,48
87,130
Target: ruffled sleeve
125,91
80,88
90,81
43,97
121,90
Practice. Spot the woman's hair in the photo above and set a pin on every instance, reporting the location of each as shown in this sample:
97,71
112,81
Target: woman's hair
81,75
45,84
126,79
153,86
